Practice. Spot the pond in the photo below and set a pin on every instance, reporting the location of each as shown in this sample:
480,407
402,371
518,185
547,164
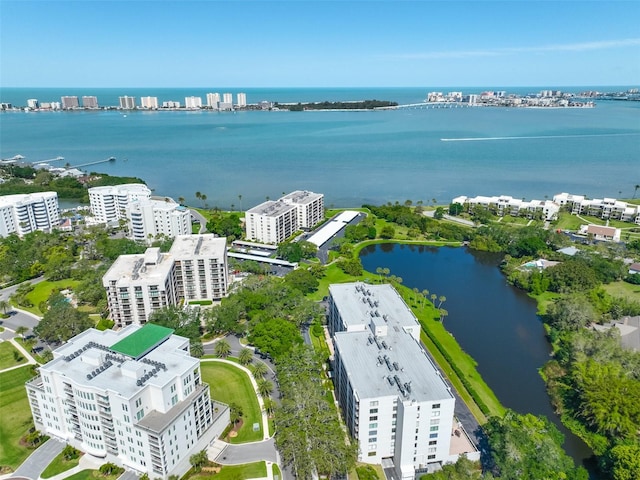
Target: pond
494,322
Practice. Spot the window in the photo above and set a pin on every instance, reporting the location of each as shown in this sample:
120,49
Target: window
371,454
434,429
431,457
433,435
373,432
374,403
373,410
435,405
373,440
435,413
433,442
435,421
373,425
375,417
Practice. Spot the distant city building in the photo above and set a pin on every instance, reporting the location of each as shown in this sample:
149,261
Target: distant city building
127,103
193,102
605,208
150,217
33,103
110,204
69,102
149,102
507,205
242,99
90,102
171,104
213,100
275,221
393,397
134,397
194,269
25,213
227,98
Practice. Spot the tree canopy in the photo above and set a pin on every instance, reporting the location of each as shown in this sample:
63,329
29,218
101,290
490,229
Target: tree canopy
61,321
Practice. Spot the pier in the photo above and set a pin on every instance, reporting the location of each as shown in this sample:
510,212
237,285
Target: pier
110,159
57,159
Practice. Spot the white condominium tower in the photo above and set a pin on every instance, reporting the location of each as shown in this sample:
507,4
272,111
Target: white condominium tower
227,97
25,213
193,102
149,217
213,100
134,397
110,204
127,103
90,101
242,99
69,102
149,102
393,398
275,221
194,269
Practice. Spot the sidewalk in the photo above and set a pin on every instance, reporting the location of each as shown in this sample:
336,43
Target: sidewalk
87,462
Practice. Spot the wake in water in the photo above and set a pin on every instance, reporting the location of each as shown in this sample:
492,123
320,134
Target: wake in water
481,139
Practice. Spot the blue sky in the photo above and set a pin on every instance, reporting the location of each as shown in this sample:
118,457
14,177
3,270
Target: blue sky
318,43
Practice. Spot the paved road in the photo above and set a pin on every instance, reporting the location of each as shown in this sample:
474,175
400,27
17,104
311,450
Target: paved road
248,453
39,459
197,216
128,475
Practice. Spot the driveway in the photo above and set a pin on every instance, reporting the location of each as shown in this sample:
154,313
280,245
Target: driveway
33,466
247,453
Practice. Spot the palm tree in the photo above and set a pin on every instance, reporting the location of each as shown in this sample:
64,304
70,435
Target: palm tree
415,294
240,198
441,299
232,207
379,272
269,405
21,330
386,271
635,190
222,349
203,197
425,294
443,313
433,298
4,306
245,356
198,195
260,370
235,412
265,387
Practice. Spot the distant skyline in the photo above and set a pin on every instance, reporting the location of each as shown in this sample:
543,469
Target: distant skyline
300,43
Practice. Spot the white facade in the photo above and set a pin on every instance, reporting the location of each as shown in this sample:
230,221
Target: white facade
134,397
26,213
171,104
33,103
193,102
109,204
227,98
275,221
392,396
127,103
242,99
90,101
69,102
507,205
213,100
605,208
149,102
194,269
149,217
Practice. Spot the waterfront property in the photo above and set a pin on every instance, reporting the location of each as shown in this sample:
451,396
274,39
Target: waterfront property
393,398
275,221
194,269
110,204
605,208
134,397
604,234
506,205
26,213
149,217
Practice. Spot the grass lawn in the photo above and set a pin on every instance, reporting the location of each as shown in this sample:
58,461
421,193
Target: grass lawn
92,475
59,465
229,384
623,289
544,300
277,475
335,275
567,221
8,356
42,291
16,416
234,472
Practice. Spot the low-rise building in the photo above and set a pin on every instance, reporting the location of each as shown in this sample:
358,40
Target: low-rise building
605,208
25,213
393,398
134,397
605,234
507,205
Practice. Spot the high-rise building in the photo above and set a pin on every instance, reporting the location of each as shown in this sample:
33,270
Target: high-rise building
193,102
170,104
127,103
227,97
149,102
33,103
69,102
393,397
310,207
213,100
195,268
90,101
110,203
26,213
242,99
149,217
134,397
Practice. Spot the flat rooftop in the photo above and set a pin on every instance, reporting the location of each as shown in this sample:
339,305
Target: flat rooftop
142,341
207,245
302,197
128,268
272,208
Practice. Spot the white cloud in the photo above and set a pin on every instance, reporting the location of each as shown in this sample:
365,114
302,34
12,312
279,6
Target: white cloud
568,47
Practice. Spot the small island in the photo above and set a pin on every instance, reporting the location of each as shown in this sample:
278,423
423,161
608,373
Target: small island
351,105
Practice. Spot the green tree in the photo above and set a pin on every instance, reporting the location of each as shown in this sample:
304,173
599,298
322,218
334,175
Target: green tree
571,313
222,349
61,321
455,209
235,413
265,387
275,337
21,330
259,370
303,280
245,356
4,306
387,232
624,462
199,460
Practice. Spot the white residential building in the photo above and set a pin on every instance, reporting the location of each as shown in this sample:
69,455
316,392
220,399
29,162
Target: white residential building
26,213
310,207
192,102
392,396
242,99
110,204
90,101
134,397
69,102
227,98
507,205
149,217
171,104
127,103
605,208
194,269
149,102
33,104
213,100
275,221
271,221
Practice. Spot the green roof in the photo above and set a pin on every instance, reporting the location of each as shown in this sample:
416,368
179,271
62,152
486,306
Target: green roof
142,340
